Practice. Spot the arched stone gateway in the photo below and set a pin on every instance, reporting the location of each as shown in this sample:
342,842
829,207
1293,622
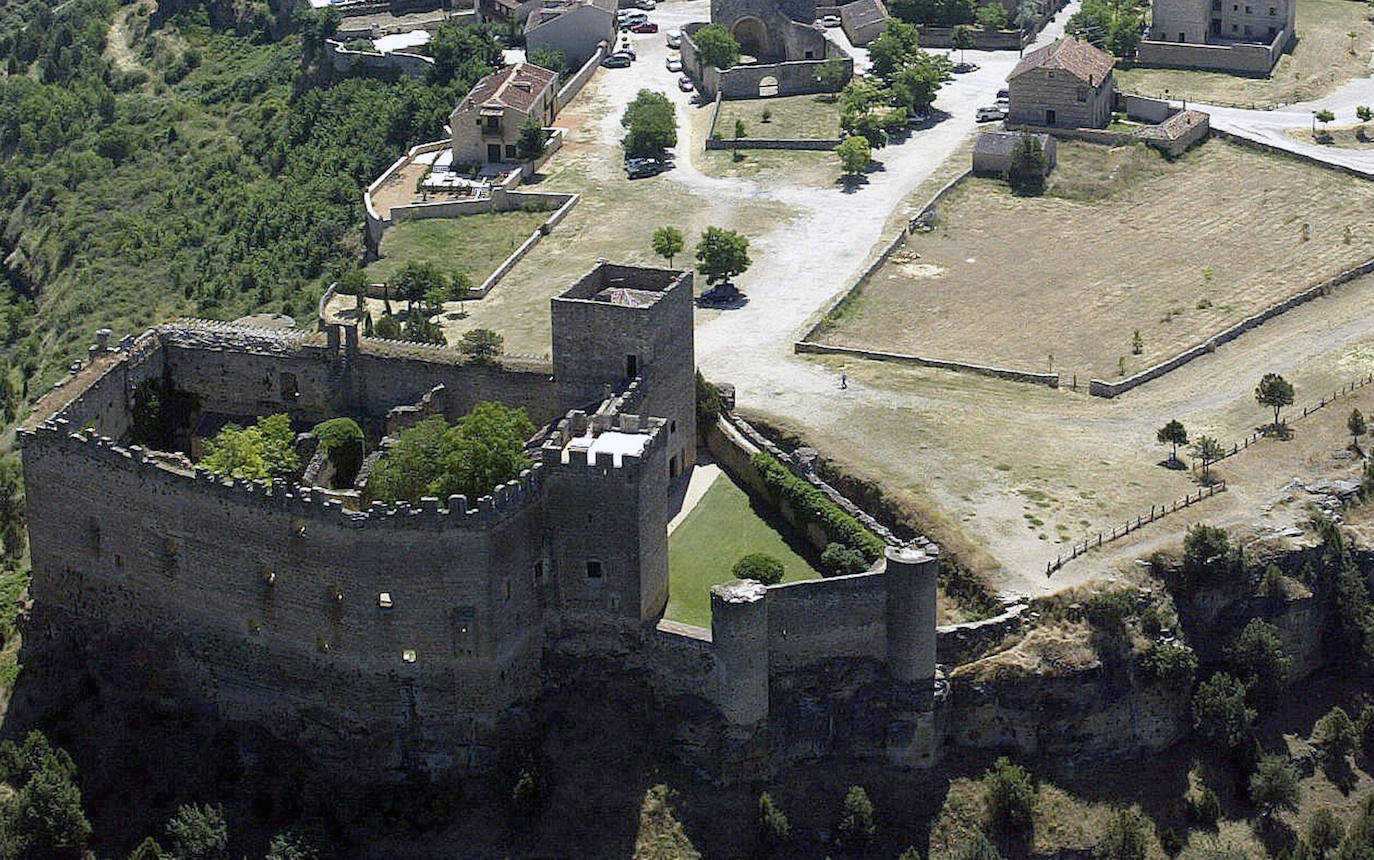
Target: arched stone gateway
768,86
752,35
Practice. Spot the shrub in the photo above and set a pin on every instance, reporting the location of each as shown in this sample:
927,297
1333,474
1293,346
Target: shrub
1126,837
759,567
1208,558
341,439
259,453
1109,610
977,847
1335,735
1258,658
43,818
1027,170
1220,713
811,505
856,818
481,345
484,449
708,402
840,560
1325,831
774,828
1010,799
1173,664
1203,806
1274,786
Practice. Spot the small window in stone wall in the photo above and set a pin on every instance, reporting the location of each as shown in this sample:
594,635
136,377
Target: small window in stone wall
1082,94
594,569
465,631
505,590
93,536
539,570
290,388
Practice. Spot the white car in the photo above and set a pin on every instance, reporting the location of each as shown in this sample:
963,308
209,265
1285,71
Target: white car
673,64
830,21
675,39
646,4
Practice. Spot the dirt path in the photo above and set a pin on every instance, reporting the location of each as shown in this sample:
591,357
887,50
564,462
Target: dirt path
118,43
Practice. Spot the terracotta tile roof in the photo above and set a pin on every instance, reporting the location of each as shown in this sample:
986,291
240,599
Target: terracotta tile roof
1175,126
517,87
863,13
1080,59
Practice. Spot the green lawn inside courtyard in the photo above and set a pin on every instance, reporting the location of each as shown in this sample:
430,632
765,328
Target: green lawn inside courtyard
471,244
809,117
723,526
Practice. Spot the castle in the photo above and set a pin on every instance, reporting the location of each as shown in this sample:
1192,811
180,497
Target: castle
406,638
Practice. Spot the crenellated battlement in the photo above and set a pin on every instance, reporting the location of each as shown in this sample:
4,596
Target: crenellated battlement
606,441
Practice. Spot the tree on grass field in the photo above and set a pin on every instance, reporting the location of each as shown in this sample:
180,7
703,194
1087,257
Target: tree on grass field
716,46
1356,425
668,243
1275,392
481,345
831,75
722,254
258,453
1172,434
1207,451
740,133
483,450
532,140
855,155
962,38
1126,836
1274,787
857,824
1010,799
1220,713
760,567
1324,832
1026,172
992,16
416,279
652,125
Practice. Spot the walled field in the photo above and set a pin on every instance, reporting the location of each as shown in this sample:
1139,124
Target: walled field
473,244
793,118
1324,58
723,526
1123,241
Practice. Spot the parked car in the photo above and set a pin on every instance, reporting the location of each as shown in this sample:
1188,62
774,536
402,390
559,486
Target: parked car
991,114
626,19
644,27
646,4
638,168
830,21
616,61
1003,95
675,39
673,64
627,52
684,83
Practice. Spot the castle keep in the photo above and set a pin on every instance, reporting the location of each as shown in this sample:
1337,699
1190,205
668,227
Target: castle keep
416,637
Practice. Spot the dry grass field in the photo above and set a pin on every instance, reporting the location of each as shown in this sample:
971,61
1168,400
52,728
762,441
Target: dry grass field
1324,58
1123,241
790,117
1343,137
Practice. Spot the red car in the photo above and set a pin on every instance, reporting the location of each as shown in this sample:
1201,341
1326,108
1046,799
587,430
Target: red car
644,27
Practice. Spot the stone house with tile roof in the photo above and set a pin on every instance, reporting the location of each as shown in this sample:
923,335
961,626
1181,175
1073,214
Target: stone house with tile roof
574,28
1067,84
486,123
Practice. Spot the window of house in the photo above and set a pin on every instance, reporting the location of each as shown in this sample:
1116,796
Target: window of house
1273,11
1050,74
1082,94
510,151
593,570
290,388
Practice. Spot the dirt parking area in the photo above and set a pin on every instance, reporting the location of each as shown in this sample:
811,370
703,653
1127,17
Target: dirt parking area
1124,241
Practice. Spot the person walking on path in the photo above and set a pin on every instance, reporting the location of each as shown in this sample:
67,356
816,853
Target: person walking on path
844,379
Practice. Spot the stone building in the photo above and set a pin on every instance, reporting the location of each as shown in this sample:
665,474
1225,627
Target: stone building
863,20
1067,84
1220,35
992,151
781,47
486,123
574,28
506,11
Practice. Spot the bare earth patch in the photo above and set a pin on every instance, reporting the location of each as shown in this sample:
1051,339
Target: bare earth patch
1324,58
1124,241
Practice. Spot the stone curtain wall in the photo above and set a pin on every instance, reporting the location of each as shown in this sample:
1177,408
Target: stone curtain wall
579,79
415,65
1255,60
823,619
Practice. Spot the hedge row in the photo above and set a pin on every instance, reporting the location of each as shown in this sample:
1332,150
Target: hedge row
811,505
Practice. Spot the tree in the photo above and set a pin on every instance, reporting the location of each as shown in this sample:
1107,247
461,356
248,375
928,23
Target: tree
342,441
992,16
43,820
722,254
895,46
416,279
855,155
1026,172
856,818
915,84
759,567
977,847
481,345
709,405
1335,735
548,58
1325,831
148,849
483,450
1027,16
1126,836
1274,786
740,132
840,560
1323,117
1258,659
1355,424
199,833
1207,450
652,124
962,38
532,140
462,53
1275,392
387,328
716,46
1010,799
265,451
774,828
831,75
1363,113
668,242
1220,713
1172,434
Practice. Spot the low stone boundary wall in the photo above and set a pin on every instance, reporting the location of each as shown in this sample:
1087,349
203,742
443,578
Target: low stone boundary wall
956,644
344,60
1102,388
1255,60
1050,379
1088,135
770,143
1278,150
983,40
579,79
376,224
540,232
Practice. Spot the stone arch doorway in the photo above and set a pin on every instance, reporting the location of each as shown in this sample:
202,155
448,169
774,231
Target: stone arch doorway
752,36
768,86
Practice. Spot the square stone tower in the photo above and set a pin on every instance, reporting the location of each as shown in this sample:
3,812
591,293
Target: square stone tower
624,324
